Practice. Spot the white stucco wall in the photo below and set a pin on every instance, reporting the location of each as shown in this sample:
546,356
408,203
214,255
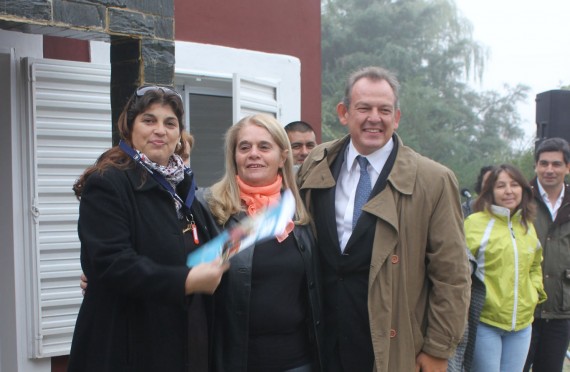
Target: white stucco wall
215,60
223,62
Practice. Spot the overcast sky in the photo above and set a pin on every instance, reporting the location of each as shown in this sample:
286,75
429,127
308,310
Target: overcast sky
529,43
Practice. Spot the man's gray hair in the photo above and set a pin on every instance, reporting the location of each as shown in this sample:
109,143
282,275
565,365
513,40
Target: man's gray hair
373,73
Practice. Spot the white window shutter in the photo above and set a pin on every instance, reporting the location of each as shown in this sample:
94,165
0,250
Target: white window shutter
70,127
252,96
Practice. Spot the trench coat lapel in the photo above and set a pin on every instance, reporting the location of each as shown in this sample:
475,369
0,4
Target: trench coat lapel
385,207
329,198
322,179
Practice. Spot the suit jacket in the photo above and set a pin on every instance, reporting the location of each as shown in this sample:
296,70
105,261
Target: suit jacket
419,279
134,314
345,276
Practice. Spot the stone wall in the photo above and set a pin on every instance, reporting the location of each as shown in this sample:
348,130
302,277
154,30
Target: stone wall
141,34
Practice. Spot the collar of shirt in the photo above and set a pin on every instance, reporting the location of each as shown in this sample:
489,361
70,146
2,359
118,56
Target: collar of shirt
377,159
544,195
347,182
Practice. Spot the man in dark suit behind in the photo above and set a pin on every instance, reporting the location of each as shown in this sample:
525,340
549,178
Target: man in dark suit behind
396,283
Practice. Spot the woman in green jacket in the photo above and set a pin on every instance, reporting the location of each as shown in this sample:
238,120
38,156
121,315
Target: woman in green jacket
502,238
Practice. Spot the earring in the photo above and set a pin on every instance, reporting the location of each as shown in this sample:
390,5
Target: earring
178,146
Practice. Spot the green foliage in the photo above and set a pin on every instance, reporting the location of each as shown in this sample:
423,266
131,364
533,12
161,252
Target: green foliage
524,160
432,50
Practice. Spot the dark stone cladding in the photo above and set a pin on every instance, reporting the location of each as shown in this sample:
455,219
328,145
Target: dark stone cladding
141,33
79,14
158,57
133,23
127,59
125,49
127,22
107,3
164,28
39,10
160,8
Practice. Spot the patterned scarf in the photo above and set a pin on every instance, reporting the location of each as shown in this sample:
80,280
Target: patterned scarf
173,173
257,198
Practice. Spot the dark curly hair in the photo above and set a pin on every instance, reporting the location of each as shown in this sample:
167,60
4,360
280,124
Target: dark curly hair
137,104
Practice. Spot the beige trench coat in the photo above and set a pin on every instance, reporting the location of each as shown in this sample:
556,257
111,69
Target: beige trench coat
419,281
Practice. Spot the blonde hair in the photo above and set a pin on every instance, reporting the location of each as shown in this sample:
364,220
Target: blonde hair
224,200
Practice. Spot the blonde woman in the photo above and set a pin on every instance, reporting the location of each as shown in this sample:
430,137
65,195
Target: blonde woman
267,306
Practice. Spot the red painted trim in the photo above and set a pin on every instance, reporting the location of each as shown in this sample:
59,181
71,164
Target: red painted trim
66,49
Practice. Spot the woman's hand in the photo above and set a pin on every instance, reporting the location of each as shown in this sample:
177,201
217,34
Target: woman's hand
83,283
206,277
203,278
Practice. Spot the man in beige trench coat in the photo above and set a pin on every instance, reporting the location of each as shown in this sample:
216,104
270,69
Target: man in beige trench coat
395,272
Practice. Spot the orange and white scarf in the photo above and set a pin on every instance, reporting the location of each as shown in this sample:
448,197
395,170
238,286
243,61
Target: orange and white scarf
257,198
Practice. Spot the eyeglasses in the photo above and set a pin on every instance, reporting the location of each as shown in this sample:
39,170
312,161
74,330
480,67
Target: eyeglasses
154,88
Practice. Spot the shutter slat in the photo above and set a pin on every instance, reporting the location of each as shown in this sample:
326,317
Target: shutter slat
252,96
72,125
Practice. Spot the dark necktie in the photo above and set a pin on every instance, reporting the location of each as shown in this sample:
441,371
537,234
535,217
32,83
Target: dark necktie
362,189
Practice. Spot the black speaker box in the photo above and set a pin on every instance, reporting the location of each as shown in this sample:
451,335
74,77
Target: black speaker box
553,114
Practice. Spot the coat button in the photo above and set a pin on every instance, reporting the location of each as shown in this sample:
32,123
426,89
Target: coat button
395,259
392,333
311,285
302,248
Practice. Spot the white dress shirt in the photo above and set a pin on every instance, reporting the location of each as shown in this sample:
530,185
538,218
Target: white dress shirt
347,182
552,208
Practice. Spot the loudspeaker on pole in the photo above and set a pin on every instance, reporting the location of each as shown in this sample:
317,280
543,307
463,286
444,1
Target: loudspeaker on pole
553,115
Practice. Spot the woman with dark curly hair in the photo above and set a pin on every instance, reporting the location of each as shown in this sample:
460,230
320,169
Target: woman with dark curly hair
138,220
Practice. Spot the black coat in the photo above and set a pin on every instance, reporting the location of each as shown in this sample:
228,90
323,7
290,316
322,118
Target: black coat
134,315
233,306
